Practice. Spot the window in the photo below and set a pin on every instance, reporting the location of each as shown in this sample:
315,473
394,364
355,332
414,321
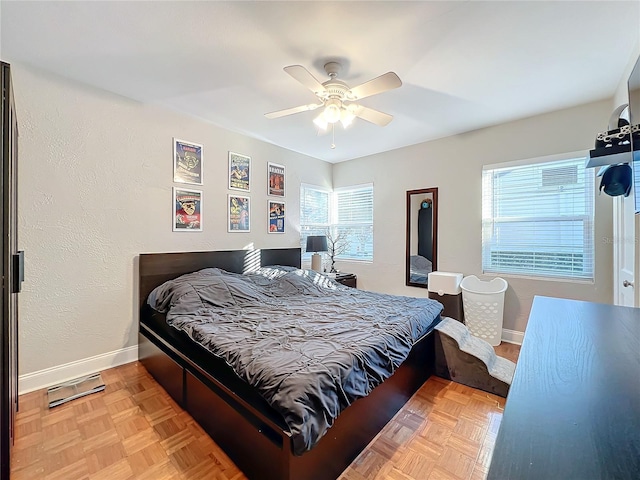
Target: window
346,212
538,218
314,214
353,221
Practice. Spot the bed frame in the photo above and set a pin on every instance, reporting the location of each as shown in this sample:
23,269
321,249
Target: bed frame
253,434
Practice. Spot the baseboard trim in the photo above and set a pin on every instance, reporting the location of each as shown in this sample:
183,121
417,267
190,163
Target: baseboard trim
512,336
68,371
54,375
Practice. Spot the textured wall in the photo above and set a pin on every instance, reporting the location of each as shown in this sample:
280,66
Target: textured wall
454,165
95,190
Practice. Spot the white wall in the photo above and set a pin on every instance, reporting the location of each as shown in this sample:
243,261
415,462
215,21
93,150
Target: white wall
95,190
454,165
621,94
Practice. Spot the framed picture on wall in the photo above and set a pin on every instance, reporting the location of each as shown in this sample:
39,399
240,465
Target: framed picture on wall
276,216
239,214
239,172
276,179
187,210
187,162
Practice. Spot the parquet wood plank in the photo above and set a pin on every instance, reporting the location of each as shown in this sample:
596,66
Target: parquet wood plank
99,441
395,474
105,456
464,445
74,471
470,430
387,448
415,465
134,430
35,469
120,470
188,456
150,456
55,444
55,461
132,425
456,463
140,441
159,471
439,473
425,448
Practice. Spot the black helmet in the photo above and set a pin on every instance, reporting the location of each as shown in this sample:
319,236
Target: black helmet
617,180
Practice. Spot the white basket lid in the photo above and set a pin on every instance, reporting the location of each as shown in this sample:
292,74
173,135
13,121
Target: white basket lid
473,284
444,283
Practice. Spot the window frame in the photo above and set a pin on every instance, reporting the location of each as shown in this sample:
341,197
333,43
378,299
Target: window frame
333,224
489,222
316,228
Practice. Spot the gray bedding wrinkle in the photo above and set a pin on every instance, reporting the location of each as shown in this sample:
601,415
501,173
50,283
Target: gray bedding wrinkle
309,345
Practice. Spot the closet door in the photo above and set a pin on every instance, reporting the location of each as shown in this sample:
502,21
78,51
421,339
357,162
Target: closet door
12,269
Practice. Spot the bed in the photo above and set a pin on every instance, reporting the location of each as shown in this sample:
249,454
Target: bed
255,433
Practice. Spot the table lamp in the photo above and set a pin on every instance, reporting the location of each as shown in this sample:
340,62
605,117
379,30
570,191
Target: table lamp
317,243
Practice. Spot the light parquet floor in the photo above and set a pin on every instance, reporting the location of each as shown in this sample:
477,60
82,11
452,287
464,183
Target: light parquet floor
134,430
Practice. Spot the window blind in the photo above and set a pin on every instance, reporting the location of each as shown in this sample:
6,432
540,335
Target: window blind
314,214
538,219
346,213
354,221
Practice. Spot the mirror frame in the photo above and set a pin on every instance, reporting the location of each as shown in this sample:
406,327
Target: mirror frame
434,263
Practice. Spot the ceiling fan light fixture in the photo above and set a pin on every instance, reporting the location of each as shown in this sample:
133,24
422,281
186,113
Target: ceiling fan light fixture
335,97
320,121
332,110
346,117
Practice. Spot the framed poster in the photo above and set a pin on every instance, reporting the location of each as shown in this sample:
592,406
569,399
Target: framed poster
276,216
187,162
239,171
239,214
187,210
276,179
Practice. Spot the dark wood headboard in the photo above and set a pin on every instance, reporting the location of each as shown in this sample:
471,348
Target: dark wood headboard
156,268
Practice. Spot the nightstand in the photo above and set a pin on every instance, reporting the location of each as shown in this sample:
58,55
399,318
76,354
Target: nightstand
348,279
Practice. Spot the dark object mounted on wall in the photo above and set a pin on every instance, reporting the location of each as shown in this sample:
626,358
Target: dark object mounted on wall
614,145
619,132
616,180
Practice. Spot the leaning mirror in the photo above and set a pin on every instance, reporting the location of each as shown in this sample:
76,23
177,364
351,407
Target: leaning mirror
422,235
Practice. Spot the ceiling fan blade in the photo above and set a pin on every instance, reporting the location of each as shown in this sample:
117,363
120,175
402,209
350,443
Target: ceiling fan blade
370,115
380,84
291,111
302,75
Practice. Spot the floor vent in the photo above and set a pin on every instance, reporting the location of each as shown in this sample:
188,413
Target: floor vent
73,389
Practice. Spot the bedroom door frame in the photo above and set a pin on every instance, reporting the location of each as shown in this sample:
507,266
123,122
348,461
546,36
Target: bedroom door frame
12,271
626,254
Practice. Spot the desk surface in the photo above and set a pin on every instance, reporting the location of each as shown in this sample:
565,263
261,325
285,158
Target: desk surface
573,409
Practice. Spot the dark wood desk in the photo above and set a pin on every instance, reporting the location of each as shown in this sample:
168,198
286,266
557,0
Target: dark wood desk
573,410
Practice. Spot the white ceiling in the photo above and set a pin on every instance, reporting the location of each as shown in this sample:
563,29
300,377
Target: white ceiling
464,64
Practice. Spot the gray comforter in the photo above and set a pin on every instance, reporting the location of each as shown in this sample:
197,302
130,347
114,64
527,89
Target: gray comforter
309,345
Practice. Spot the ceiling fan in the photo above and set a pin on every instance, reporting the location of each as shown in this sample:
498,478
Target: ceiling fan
338,98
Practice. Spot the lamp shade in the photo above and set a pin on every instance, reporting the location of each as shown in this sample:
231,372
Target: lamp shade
317,243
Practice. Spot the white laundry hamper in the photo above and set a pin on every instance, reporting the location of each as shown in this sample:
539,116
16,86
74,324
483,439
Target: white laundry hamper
483,304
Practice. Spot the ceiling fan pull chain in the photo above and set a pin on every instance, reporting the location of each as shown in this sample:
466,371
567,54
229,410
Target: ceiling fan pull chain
333,135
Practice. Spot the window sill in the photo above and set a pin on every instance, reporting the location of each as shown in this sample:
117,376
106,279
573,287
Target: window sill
585,281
